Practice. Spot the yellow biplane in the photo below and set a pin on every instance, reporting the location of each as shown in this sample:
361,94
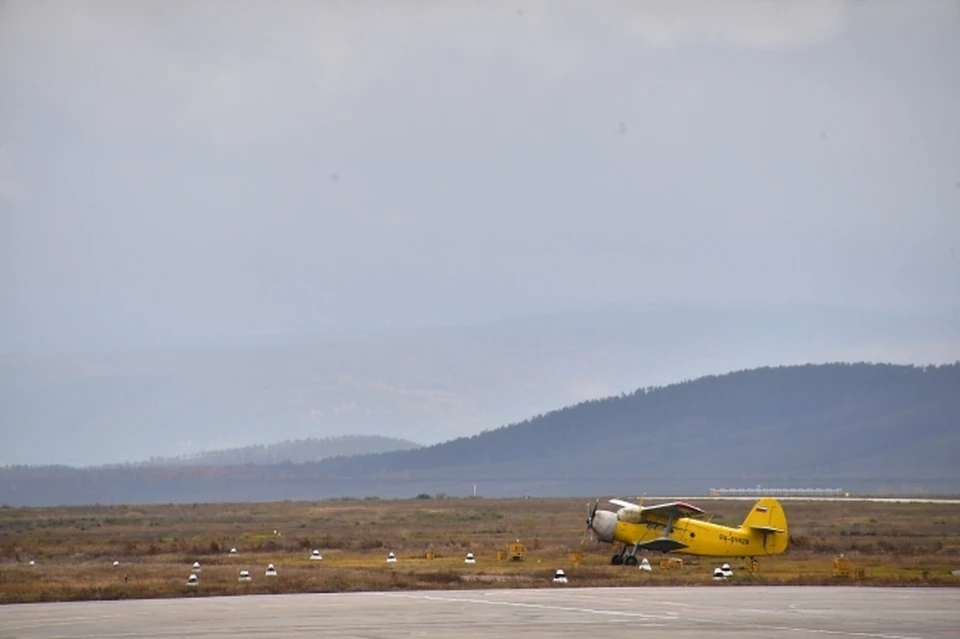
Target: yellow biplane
681,528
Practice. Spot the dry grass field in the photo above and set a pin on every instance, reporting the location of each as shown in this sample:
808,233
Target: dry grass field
74,548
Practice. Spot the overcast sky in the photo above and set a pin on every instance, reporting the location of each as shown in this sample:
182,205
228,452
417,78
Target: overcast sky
187,172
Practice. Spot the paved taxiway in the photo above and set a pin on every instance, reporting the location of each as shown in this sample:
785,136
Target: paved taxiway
681,613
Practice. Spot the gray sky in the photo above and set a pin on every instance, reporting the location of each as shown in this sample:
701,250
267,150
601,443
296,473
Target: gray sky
175,172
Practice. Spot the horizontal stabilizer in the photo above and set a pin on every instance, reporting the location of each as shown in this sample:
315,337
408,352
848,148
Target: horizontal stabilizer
662,544
768,529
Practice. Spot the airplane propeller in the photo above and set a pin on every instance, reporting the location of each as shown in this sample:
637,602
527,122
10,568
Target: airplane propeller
591,511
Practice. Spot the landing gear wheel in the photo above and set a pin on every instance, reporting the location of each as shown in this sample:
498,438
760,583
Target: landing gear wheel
616,560
630,560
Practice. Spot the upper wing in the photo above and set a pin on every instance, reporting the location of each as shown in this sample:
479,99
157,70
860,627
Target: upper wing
672,509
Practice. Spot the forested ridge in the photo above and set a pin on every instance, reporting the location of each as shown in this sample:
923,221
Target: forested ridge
842,414
865,427
431,386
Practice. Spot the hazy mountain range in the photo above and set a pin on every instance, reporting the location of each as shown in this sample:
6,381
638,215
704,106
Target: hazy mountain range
296,451
865,428
424,386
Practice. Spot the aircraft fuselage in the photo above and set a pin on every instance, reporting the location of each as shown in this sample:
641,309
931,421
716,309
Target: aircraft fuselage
703,538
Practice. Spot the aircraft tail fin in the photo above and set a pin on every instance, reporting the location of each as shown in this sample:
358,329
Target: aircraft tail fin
768,519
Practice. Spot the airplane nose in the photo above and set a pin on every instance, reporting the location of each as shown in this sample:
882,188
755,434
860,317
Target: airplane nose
604,523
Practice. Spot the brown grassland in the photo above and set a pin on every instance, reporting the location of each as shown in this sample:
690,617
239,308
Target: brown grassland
74,548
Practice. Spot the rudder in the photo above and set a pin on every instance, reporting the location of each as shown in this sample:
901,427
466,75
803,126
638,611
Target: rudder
768,519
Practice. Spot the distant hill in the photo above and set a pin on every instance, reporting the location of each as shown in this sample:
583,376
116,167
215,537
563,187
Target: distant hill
867,428
836,422
296,451
428,386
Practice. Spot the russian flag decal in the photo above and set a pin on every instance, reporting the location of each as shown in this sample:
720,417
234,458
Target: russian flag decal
761,509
